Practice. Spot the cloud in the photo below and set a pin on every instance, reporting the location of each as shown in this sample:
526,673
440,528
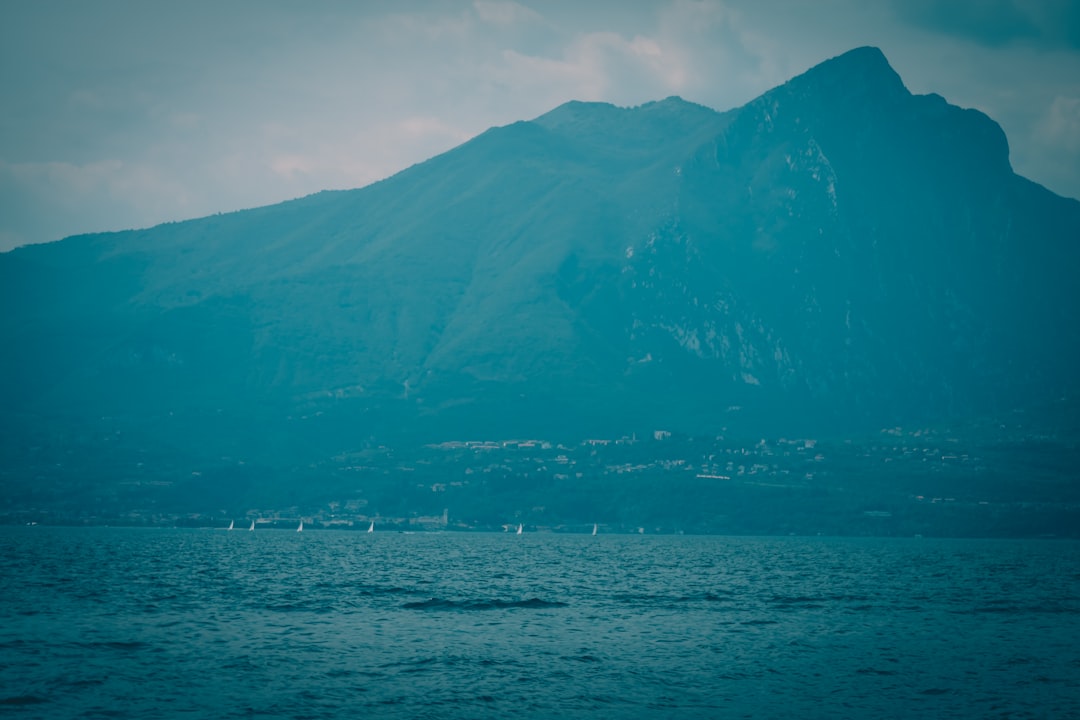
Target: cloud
714,57
699,49
347,161
505,13
288,166
1054,145
595,66
73,185
51,200
1047,23
1060,126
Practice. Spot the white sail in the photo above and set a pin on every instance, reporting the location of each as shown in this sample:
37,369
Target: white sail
594,529
371,527
252,526
519,529
230,524
301,528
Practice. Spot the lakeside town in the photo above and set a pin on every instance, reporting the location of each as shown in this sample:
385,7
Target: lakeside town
974,481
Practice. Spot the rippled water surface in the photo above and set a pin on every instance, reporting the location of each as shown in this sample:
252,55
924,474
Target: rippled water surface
149,623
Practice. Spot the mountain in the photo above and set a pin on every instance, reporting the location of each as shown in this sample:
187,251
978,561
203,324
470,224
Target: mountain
837,256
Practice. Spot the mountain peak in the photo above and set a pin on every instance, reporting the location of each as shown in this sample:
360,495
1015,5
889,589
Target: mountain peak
576,113
573,111
863,72
603,124
866,56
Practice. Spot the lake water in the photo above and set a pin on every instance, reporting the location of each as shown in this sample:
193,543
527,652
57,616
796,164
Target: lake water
152,623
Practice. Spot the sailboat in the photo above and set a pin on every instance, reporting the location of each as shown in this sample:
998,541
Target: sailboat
252,528
371,527
594,528
301,528
519,529
230,524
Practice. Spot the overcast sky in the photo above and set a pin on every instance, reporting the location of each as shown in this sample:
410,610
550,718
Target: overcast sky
127,113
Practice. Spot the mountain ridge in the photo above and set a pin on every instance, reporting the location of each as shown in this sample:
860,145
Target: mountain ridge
594,270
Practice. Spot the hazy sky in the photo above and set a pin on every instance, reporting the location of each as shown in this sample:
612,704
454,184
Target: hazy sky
127,113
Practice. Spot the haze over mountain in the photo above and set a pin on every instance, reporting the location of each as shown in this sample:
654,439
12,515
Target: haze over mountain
839,255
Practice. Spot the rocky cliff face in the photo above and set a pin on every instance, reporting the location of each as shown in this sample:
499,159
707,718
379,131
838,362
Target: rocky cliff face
835,256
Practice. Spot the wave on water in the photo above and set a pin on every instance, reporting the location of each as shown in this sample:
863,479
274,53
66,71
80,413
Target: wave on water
441,604
1006,608
674,601
22,700
115,645
363,590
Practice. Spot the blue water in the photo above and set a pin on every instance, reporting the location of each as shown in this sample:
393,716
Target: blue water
152,623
